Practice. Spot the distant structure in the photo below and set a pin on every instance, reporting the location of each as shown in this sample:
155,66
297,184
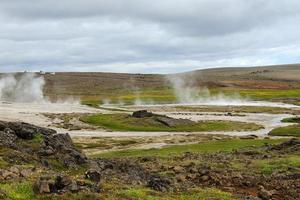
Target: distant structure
44,73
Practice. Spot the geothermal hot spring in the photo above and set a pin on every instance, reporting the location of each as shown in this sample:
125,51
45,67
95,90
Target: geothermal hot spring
22,99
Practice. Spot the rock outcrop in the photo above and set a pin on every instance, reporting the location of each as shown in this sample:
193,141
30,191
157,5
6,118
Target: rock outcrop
142,114
39,144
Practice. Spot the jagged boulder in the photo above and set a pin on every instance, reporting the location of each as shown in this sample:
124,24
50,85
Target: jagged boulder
48,144
62,183
61,145
24,130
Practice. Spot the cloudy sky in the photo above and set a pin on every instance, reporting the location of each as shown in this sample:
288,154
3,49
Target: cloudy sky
157,36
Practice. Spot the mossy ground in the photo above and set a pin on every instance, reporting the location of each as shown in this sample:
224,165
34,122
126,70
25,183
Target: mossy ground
147,194
226,145
124,122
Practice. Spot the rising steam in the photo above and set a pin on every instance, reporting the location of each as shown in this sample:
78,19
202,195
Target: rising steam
187,91
28,88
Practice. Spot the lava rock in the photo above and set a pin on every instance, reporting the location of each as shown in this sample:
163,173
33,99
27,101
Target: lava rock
142,114
93,175
159,183
44,185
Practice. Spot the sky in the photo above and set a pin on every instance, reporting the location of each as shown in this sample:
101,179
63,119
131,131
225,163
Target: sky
142,36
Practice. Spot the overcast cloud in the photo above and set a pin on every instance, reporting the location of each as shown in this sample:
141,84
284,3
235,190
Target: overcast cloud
157,36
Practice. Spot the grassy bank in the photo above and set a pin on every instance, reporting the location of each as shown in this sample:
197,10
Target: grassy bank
124,122
292,130
209,147
238,109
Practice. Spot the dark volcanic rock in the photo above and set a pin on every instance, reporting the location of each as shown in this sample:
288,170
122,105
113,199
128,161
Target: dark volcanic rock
61,184
7,137
159,183
93,175
24,130
44,185
58,146
142,114
62,147
290,143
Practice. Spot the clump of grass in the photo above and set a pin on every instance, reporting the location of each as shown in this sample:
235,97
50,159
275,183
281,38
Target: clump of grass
277,165
124,122
209,147
38,138
18,191
147,194
292,130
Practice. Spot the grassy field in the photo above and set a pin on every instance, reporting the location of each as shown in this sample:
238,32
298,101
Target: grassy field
147,194
292,130
237,109
24,191
166,95
124,122
208,147
264,94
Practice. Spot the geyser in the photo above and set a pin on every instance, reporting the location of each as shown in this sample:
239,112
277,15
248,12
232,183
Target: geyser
187,91
27,88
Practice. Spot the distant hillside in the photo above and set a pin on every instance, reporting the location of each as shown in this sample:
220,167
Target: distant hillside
95,83
96,86
264,77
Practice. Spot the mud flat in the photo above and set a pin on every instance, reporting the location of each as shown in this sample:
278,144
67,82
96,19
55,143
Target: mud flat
32,112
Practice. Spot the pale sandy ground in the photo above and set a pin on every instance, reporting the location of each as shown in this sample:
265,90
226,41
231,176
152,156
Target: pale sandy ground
33,113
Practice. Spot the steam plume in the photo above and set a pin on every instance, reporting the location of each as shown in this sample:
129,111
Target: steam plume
27,89
187,91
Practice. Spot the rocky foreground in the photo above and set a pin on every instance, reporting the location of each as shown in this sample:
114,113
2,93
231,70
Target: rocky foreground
50,165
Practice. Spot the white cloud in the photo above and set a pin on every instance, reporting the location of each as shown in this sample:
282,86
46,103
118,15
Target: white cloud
146,36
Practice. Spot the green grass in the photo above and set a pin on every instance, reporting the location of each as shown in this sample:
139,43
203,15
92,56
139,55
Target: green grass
277,165
292,130
266,94
210,147
166,95
124,122
38,138
291,120
18,191
157,95
147,194
238,109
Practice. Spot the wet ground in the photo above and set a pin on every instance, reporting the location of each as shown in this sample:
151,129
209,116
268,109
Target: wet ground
34,113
